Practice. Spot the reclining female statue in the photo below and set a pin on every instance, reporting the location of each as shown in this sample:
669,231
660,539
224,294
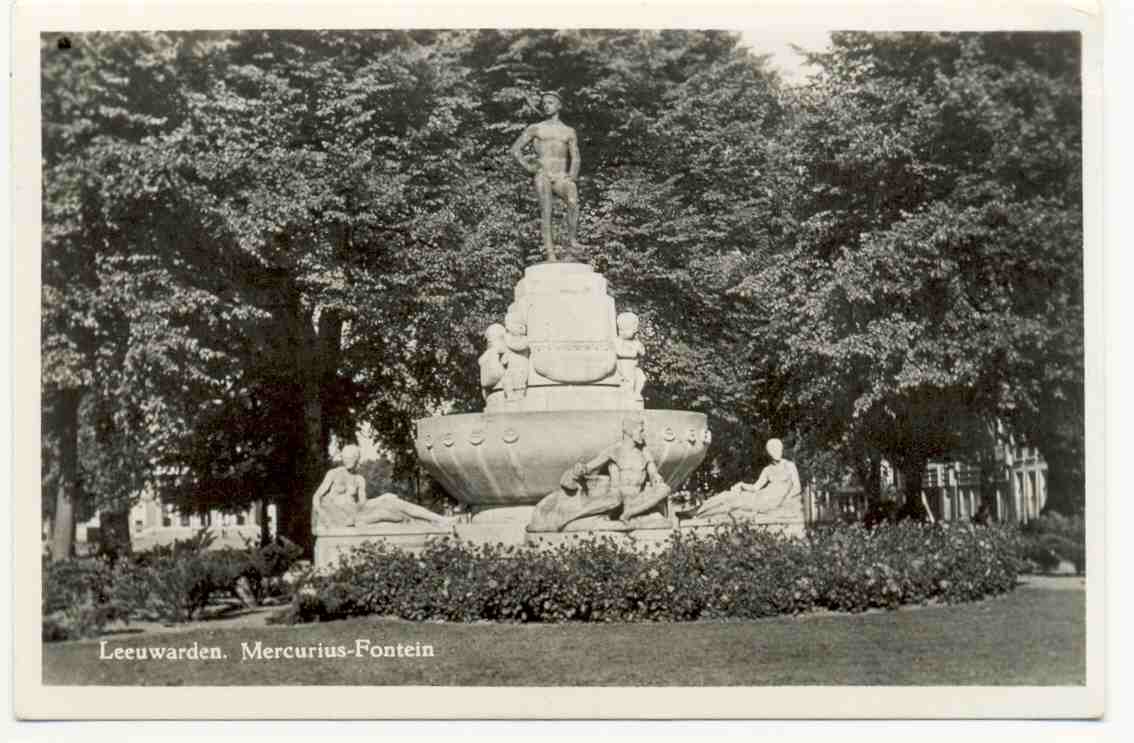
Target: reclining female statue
777,485
340,501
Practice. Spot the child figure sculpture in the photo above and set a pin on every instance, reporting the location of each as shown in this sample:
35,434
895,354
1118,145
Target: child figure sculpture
629,350
494,361
516,340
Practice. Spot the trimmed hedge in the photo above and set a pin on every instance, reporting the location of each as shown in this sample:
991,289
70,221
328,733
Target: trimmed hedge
737,572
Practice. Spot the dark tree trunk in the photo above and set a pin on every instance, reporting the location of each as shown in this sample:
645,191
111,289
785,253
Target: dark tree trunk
317,350
114,532
1066,486
868,468
67,490
260,509
912,469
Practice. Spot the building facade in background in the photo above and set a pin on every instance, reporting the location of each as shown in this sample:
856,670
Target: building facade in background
154,523
1012,486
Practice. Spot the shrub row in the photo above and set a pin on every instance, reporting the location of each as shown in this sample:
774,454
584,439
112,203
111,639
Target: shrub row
1052,538
167,583
739,571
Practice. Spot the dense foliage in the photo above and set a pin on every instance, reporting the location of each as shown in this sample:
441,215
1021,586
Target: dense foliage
170,584
77,599
738,572
257,241
933,283
1051,539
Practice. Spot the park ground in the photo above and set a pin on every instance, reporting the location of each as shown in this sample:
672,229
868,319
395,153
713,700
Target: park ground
1035,635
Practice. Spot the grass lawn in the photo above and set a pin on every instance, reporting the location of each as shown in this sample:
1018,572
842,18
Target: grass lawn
1033,636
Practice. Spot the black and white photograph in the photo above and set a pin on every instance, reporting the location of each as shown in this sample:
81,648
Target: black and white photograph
566,364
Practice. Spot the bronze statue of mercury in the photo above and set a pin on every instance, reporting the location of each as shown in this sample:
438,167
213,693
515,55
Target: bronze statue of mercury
555,168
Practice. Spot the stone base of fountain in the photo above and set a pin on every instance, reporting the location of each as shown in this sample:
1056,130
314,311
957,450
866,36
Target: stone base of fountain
332,542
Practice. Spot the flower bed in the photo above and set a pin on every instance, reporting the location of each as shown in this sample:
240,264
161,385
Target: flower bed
739,572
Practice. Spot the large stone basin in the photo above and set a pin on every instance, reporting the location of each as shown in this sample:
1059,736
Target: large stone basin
516,458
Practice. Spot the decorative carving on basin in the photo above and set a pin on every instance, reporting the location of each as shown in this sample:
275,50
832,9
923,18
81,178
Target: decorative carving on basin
524,456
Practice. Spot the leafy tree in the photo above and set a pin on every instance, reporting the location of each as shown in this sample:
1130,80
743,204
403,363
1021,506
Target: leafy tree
255,241
934,279
94,366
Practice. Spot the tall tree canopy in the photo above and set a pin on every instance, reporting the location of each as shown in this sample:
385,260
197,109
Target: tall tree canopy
933,283
255,241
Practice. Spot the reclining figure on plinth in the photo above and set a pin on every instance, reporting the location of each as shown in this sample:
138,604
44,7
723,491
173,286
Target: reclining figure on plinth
340,501
775,496
632,491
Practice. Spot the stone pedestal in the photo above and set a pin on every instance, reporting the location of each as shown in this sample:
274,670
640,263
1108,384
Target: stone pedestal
570,324
647,540
332,542
703,527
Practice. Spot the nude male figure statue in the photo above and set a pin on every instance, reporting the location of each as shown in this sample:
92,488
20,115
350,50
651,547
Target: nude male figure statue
633,473
632,487
555,169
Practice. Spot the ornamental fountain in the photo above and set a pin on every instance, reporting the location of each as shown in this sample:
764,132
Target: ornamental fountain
561,379
565,445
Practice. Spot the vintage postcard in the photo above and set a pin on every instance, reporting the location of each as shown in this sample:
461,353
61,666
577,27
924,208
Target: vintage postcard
619,361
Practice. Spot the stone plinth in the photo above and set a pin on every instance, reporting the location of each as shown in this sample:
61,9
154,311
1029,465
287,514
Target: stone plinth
334,541
570,321
511,533
703,527
570,330
651,540
508,534
767,507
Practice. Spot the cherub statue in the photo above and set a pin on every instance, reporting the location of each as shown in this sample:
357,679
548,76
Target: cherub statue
516,359
494,360
629,350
